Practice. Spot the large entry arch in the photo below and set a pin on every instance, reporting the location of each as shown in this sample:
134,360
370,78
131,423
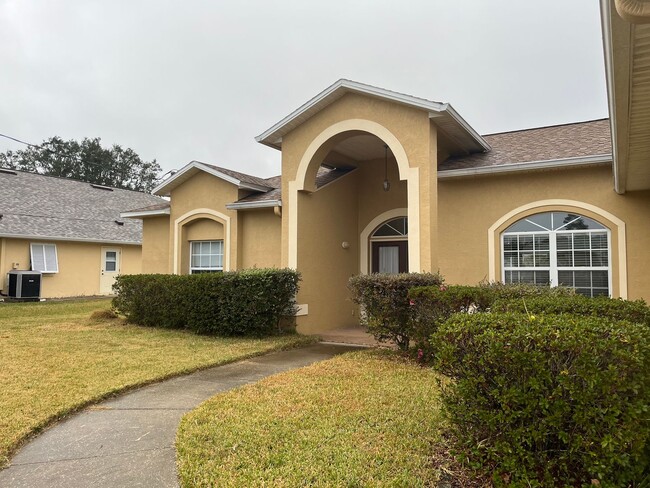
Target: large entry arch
313,156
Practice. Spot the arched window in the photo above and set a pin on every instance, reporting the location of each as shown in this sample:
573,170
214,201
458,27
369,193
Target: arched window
558,248
389,247
393,228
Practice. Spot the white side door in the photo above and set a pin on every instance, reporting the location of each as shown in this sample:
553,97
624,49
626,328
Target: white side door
111,257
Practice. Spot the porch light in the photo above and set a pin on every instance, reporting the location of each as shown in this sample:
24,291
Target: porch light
386,182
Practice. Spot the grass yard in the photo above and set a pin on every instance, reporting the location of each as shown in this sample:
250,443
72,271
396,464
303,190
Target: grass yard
54,360
366,418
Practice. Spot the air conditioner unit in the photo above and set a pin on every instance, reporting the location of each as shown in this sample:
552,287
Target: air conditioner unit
25,284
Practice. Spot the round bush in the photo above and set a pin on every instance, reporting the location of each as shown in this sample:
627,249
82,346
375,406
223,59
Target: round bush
548,400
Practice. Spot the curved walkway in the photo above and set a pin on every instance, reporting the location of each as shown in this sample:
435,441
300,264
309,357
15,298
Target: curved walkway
129,440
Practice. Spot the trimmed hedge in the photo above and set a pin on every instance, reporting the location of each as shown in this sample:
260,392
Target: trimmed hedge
434,304
548,400
250,302
615,309
386,309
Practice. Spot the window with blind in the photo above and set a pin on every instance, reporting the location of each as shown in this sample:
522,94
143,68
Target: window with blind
44,258
558,248
206,257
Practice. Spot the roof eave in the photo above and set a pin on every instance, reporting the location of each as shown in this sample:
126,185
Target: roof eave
145,213
527,166
247,205
70,239
618,164
272,137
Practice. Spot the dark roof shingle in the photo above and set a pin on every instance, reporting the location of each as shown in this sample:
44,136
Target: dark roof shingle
539,144
39,206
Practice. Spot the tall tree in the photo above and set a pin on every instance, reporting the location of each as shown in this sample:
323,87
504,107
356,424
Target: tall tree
87,161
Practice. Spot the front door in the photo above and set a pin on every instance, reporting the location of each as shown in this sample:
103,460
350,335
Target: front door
390,257
110,269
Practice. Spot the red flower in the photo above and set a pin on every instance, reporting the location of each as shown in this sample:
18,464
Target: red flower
443,287
411,302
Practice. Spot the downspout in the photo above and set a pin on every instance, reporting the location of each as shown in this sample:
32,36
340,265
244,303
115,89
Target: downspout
634,11
277,210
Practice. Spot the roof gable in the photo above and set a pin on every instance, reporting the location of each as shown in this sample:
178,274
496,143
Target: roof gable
241,180
442,114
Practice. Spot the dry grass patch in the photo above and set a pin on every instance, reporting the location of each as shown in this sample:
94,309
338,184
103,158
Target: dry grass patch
55,360
362,419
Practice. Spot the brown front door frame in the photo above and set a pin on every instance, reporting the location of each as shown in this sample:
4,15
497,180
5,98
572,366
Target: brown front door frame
403,265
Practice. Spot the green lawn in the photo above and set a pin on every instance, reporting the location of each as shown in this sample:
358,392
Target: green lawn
55,360
366,418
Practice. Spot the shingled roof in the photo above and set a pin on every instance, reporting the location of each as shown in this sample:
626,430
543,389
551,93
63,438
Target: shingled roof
323,177
45,207
580,139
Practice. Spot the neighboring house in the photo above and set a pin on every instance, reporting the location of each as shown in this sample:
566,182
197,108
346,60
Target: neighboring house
379,181
71,231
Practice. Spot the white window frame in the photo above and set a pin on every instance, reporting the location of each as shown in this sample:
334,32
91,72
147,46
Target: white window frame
553,268
50,268
215,269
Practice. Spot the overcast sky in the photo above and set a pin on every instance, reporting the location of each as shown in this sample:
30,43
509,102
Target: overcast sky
184,80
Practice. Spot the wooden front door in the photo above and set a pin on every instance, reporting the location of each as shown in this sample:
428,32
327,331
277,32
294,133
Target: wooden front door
390,257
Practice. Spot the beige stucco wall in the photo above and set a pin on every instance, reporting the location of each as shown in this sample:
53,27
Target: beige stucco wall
260,237
155,245
79,265
328,218
468,207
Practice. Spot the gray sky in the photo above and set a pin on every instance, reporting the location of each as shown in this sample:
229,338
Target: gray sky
183,80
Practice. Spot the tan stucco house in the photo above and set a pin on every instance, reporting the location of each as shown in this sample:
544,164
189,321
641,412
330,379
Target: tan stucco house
379,181
68,230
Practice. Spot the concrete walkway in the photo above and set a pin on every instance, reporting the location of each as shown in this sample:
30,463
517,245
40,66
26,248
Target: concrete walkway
128,441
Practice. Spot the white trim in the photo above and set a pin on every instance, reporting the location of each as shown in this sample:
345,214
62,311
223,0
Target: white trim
56,257
180,221
70,239
364,238
216,268
527,166
260,204
273,136
163,187
145,213
620,232
413,199
292,244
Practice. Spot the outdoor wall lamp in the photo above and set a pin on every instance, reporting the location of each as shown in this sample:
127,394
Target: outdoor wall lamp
345,245
386,182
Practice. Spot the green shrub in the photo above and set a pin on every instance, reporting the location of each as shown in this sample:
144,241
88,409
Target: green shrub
386,309
505,291
432,305
615,309
250,302
548,400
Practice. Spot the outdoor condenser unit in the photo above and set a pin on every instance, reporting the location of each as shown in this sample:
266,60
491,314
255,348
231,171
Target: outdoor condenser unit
25,284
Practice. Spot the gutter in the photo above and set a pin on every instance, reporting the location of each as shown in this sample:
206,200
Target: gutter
528,166
261,204
145,213
606,20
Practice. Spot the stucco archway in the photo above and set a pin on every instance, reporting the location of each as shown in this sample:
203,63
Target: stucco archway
312,159
191,216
